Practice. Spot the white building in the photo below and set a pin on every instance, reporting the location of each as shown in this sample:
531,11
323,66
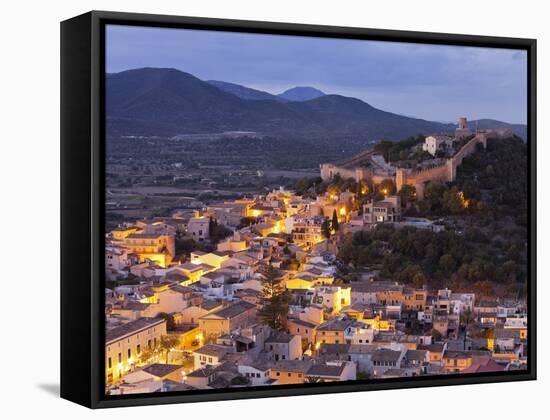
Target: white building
436,142
258,373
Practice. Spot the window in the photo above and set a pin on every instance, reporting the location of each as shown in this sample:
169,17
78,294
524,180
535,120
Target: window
110,363
257,375
299,375
138,349
129,353
278,374
289,374
149,343
209,360
120,358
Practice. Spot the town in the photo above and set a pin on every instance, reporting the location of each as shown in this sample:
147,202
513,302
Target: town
360,273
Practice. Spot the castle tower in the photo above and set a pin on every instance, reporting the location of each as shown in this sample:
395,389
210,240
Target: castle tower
462,129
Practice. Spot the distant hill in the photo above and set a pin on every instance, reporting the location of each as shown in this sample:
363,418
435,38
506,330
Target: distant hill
301,93
519,129
244,92
169,102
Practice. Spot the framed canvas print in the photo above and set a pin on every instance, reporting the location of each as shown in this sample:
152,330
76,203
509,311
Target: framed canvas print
255,209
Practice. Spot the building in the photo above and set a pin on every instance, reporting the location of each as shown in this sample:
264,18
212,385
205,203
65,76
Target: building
214,259
385,359
225,320
387,210
436,142
257,372
332,298
123,345
283,346
305,329
306,231
332,371
211,354
199,228
156,246
156,372
456,361
290,371
336,331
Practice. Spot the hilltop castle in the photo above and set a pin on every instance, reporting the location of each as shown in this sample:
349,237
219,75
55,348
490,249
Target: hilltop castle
370,166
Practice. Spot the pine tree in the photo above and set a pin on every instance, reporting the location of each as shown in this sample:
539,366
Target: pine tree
275,299
325,228
335,225
271,282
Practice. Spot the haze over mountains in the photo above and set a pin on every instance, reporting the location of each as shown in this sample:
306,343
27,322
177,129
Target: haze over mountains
168,102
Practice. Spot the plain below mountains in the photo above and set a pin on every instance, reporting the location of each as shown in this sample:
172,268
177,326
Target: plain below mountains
168,102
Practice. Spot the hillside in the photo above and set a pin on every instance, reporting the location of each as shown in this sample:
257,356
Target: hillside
244,92
519,129
301,93
168,102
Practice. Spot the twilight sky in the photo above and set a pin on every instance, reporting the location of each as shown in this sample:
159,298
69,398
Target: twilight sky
432,82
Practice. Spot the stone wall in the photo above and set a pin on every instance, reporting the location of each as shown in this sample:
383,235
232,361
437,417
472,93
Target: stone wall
443,173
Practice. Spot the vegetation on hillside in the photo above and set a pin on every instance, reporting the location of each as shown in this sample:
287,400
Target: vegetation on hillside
484,245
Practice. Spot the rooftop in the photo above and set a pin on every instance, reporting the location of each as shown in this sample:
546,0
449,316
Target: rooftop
214,350
145,235
280,337
130,328
323,369
293,365
336,325
160,370
230,311
386,355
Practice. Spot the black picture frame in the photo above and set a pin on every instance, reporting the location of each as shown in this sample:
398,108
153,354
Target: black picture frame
82,206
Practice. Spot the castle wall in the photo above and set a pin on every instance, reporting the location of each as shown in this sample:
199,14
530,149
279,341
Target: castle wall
328,171
443,173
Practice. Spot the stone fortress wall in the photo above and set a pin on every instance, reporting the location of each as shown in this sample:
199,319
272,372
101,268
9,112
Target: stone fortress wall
445,172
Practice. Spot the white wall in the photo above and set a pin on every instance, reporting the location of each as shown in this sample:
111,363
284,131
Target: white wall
30,184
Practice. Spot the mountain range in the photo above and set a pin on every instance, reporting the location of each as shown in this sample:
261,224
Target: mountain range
168,102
